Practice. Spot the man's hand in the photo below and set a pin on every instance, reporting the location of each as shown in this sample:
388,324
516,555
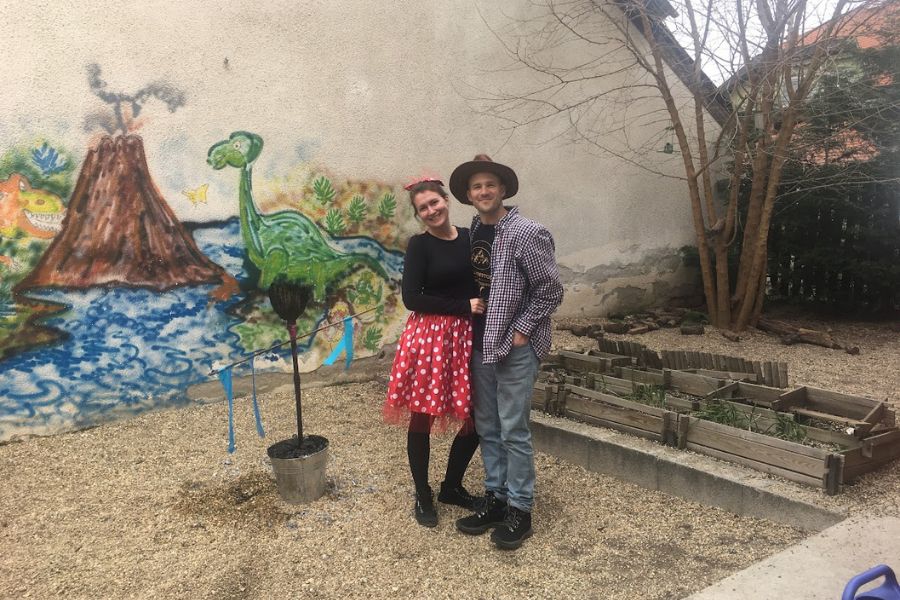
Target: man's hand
520,339
478,306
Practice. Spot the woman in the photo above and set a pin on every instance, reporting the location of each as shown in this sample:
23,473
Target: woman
430,377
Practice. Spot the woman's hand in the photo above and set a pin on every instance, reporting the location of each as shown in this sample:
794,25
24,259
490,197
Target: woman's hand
478,306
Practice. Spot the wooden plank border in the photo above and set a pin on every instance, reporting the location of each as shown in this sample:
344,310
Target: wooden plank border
601,362
771,455
691,383
618,413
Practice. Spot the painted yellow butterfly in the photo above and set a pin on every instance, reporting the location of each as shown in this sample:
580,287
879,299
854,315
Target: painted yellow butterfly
197,196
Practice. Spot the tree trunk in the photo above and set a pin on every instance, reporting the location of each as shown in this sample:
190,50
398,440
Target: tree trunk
757,270
723,284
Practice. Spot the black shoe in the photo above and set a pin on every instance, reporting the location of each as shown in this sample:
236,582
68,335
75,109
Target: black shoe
514,530
490,514
458,496
426,515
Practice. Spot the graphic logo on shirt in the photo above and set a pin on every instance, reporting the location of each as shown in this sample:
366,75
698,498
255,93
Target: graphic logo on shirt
481,255
481,266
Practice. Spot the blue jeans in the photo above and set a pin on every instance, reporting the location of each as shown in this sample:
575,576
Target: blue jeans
502,407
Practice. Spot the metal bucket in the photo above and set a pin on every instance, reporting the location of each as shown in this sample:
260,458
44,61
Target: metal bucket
301,480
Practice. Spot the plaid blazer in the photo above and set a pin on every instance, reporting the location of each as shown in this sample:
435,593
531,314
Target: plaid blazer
525,286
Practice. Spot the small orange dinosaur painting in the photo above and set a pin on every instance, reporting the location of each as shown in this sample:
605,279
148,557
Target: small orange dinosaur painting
34,211
26,210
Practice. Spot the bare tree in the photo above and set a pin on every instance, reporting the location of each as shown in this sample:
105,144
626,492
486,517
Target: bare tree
602,67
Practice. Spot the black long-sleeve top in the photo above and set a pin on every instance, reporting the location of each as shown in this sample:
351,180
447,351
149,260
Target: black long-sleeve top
437,274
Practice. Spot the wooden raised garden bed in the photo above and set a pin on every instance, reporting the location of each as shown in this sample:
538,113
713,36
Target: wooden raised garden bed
598,408
764,420
873,452
797,462
812,436
857,415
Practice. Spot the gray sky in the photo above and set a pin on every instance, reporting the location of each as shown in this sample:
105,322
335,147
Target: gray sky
718,64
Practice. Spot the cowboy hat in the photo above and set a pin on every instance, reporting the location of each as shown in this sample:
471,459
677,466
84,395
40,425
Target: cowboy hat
482,163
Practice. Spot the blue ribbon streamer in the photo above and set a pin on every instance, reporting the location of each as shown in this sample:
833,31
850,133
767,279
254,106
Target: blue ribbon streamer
345,345
259,425
225,378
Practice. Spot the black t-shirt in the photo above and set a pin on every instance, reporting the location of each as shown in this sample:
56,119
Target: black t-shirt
482,243
437,274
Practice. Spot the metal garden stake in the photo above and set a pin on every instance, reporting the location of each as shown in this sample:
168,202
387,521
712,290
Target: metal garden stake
289,301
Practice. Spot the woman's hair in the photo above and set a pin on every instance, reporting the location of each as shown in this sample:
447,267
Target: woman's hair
430,185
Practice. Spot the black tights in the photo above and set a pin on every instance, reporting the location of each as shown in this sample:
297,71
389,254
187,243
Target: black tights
418,448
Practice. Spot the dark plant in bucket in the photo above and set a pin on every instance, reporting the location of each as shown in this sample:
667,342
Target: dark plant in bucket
289,300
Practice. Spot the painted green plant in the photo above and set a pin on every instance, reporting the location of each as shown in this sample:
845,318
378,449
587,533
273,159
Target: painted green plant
265,328
334,222
387,206
323,190
356,212
364,293
46,167
26,252
372,339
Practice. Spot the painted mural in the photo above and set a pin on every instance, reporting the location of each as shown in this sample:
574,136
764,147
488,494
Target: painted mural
111,305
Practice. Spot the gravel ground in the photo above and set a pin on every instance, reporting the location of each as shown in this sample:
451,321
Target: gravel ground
155,507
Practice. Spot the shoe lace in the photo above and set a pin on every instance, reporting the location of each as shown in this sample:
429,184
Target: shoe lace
485,503
465,495
513,517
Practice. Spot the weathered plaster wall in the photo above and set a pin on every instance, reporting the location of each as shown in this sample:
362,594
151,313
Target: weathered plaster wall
365,96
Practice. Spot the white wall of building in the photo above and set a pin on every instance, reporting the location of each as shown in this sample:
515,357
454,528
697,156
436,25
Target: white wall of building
368,90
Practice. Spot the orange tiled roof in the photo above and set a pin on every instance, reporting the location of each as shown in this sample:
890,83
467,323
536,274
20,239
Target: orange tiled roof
844,146
870,27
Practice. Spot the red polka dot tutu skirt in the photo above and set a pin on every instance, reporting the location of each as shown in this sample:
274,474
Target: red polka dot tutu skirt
431,369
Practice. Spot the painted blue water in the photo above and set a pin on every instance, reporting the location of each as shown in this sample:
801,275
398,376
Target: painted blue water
126,350
392,261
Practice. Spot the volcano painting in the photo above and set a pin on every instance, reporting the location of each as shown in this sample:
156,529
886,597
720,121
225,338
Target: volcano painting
119,230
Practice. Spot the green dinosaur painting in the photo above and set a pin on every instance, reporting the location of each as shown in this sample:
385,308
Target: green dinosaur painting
289,244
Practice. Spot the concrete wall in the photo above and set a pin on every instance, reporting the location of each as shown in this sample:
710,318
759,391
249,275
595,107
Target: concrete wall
362,97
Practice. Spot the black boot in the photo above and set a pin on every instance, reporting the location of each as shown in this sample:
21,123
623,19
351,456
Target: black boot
514,530
426,515
456,495
452,490
491,513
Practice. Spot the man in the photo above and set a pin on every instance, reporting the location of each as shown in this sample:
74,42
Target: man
514,264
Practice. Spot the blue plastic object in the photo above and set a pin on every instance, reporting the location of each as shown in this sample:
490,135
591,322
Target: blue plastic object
889,590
